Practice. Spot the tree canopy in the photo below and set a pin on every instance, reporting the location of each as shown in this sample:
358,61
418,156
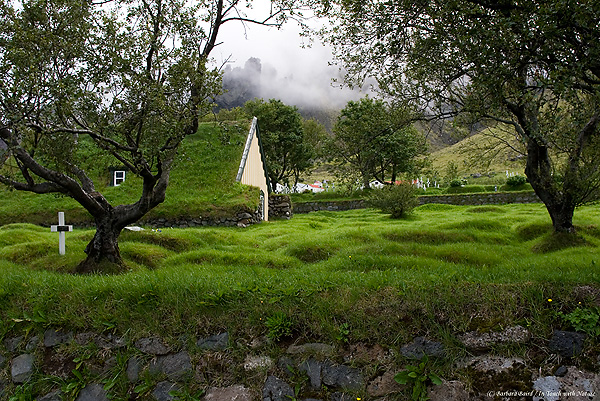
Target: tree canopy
373,140
123,80
531,65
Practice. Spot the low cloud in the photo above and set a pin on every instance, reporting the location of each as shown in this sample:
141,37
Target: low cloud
312,85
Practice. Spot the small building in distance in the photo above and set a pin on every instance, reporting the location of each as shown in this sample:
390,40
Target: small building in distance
117,176
253,168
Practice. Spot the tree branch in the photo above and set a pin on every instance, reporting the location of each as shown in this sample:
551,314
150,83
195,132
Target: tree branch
42,188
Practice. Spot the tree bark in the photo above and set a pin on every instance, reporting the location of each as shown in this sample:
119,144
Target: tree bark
103,250
559,204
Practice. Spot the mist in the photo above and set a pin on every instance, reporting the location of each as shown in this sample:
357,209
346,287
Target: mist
311,87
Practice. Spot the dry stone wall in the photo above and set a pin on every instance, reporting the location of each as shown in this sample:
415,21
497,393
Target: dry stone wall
64,365
495,198
280,206
333,206
241,219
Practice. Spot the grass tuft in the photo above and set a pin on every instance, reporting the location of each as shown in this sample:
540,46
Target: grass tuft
435,207
428,237
486,209
558,241
311,253
532,231
483,224
162,239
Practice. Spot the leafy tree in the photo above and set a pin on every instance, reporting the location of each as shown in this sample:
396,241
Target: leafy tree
315,134
374,140
287,152
532,66
121,79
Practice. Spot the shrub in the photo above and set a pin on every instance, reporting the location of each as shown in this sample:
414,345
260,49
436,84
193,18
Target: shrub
457,183
516,180
398,200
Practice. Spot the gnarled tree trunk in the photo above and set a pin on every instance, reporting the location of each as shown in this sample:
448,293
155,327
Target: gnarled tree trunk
559,203
103,254
103,249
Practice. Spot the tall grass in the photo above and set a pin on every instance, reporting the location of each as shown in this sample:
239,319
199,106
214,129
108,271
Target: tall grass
443,271
437,245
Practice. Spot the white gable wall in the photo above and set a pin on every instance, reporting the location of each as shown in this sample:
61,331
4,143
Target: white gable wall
251,167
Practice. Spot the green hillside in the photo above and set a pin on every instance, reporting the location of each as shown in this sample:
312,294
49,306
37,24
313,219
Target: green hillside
202,183
487,151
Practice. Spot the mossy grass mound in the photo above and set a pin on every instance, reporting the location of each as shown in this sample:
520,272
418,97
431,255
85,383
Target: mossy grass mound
202,183
354,277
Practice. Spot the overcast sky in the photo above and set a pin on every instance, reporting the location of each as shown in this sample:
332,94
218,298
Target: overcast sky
280,48
303,74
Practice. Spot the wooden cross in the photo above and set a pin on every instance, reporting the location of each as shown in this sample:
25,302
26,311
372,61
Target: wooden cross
61,228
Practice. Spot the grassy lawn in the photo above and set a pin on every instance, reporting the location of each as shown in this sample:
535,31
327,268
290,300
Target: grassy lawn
337,277
353,254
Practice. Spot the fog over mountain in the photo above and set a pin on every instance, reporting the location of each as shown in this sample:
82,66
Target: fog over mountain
313,88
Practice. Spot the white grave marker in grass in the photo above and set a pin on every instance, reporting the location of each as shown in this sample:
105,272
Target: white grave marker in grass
61,228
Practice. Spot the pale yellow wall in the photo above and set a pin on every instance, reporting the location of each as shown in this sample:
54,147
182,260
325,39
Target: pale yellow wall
254,174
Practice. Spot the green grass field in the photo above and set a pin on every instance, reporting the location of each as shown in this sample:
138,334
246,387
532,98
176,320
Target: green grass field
359,252
336,277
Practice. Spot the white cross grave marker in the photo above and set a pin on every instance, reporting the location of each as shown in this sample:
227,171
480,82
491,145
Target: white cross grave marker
61,228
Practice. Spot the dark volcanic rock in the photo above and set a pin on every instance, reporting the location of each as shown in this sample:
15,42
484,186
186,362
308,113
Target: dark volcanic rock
175,366
22,368
92,392
217,342
53,338
566,343
313,369
162,390
152,345
341,376
421,347
276,389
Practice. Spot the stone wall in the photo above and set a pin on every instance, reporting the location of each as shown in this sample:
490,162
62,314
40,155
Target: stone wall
493,198
242,219
307,207
280,206
62,365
